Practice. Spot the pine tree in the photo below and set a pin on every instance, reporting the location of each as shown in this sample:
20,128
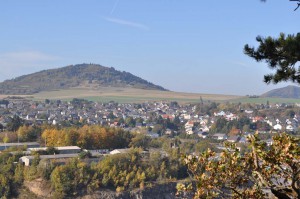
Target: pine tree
281,54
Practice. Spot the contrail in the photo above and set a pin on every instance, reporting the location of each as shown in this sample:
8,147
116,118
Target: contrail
115,5
127,23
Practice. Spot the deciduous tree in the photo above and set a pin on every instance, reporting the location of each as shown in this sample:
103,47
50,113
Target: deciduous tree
232,175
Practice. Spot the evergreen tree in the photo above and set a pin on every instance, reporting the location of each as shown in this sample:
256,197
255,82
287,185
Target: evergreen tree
15,123
281,54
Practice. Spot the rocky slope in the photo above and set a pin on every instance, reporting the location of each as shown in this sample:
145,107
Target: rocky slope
41,189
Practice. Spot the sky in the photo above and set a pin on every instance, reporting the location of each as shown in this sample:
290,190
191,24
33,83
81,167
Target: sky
188,46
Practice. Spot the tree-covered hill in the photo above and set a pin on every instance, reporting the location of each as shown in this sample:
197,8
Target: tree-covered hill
285,92
73,76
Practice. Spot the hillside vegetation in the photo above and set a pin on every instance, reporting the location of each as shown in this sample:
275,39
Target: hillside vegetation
72,177
285,92
83,75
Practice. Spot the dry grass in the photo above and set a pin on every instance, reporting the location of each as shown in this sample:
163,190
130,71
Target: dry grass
128,95
5,96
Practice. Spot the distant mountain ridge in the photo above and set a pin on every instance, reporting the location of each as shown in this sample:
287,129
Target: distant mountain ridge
285,92
74,76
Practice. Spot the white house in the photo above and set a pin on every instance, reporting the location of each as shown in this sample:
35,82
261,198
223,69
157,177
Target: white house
168,132
204,128
269,142
189,131
187,116
289,128
189,124
277,127
269,122
248,111
118,151
220,136
203,134
231,117
221,113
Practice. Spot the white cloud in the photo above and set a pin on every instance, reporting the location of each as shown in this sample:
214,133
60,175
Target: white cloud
14,64
127,23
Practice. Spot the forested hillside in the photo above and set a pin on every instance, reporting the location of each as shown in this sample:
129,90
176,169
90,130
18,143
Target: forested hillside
73,76
82,175
286,92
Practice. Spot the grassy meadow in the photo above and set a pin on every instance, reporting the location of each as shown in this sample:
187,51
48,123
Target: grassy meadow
264,100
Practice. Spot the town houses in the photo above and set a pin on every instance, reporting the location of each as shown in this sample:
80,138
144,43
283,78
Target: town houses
155,118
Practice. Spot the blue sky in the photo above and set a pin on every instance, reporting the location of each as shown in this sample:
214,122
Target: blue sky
190,46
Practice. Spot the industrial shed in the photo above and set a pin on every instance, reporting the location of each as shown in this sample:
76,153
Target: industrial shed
27,160
4,146
60,149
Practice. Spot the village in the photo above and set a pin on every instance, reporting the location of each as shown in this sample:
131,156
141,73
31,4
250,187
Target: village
203,121
42,137
149,116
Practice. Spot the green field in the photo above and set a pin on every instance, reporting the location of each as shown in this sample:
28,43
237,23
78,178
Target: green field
265,100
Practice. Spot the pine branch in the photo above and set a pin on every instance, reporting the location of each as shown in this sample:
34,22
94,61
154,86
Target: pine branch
298,4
